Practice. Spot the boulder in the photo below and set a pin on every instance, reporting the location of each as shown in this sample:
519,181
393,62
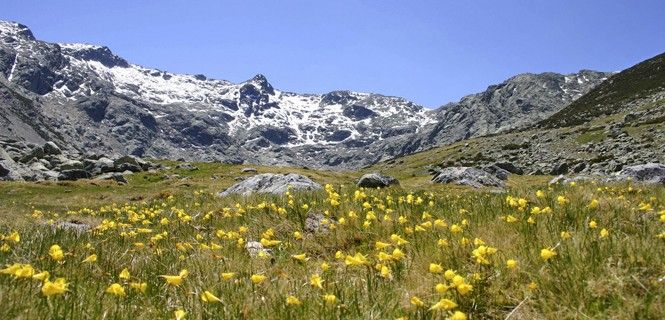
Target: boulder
561,168
255,247
510,167
74,174
314,222
561,179
271,183
50,148
187,166
102,165
248,170
651,173
497,172
376,180
115,176
36,153
131,163
71,165
469,176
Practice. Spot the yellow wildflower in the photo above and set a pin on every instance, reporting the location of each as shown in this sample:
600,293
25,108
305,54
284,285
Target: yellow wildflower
116,289
257,278
316,281
207,296
444,304
56,252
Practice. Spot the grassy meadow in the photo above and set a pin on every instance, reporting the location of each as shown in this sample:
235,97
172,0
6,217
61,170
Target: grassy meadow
171,249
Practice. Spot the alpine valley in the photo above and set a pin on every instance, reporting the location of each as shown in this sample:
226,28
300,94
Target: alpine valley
89,101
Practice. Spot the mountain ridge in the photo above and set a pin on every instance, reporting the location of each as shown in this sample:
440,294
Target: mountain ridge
99,102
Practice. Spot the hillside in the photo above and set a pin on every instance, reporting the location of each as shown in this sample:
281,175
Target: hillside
638,85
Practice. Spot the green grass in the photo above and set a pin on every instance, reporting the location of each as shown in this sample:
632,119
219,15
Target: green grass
618,276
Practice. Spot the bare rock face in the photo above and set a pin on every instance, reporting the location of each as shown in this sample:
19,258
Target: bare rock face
468,176
650,173
376,180
271,183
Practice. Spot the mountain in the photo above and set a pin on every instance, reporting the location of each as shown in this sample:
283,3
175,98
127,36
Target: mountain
86,98
643,82
616,125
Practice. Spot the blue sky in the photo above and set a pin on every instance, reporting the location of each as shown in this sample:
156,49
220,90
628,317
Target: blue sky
430,52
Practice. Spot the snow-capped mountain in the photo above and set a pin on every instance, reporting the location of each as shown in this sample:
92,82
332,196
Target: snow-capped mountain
86,97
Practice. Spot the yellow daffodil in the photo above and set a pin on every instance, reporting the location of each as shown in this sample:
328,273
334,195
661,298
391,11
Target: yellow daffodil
511,264
116,289
444,304
90,259
42,276
381,245
180,314
435,268
300,257
124,274
59,286
175,280
227,275
292,301
356,260
330,299
56,253
208,297
139,286
547,254
316,281
416,301
257,278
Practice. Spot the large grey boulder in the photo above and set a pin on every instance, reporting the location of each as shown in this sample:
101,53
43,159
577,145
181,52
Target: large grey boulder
51,148
74,174
651,173
497,171
468,176
376,180
510,167
271,183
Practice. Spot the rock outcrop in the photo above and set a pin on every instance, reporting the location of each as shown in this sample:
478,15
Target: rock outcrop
271,183
376,180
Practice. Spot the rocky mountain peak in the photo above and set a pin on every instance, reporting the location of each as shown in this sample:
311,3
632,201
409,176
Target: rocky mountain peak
100,54
261,83
15,30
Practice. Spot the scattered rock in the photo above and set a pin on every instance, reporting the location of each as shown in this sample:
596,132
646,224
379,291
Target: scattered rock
497,172
115,176
74,226
561,179
510,167
376,180
74,174
254,248
248,170
271,183
187,166
467,176
313,222
651,173
561,168
50,148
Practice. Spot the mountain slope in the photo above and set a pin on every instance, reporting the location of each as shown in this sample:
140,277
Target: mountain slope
97,102
641,81
627,130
